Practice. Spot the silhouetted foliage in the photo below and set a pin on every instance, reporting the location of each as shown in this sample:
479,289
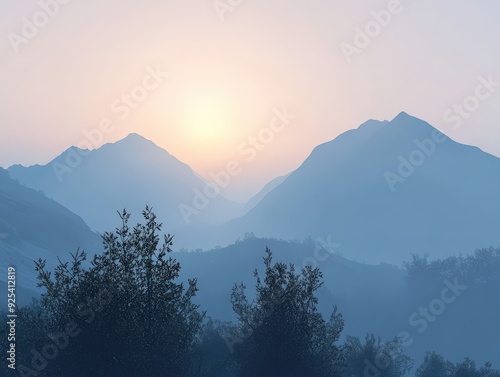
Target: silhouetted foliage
133,318
482,267
435,365
125,314
213,357
282,333
375,358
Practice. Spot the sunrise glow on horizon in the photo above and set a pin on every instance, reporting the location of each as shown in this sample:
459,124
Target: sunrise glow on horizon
226,77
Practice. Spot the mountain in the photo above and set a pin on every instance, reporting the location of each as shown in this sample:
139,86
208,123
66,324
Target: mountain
131,173
385,190
33,226
254,200
218,270
380,299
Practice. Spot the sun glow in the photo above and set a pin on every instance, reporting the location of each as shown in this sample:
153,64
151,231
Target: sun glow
206,119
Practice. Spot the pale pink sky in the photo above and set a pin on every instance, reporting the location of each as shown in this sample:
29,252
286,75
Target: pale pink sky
226,77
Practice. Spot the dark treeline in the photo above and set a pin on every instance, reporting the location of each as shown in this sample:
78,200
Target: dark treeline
483,267
124,313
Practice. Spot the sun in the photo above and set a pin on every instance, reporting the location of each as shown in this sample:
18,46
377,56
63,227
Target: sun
206,118
202,124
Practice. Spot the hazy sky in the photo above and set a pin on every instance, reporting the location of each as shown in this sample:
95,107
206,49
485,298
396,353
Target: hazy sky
228,71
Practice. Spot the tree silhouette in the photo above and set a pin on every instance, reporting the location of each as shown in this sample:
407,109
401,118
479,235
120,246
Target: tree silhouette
133,317
282,333
435,365
374,357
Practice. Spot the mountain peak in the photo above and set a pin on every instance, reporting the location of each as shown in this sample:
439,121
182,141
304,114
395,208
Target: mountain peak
404,116
405,126
134,140
135,135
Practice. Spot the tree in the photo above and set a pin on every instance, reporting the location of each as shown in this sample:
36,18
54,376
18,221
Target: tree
213,358
375,358
467,368
132,316
482,267
282,333
434,365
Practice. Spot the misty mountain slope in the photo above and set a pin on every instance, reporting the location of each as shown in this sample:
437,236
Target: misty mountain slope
378,299
28,216
446,204
131,174
22,257
32,227
219,269
268,187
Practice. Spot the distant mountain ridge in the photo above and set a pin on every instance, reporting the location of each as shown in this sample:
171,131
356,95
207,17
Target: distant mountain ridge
382,191
268,187
131,173
371,298
28,216
33,226
385,190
